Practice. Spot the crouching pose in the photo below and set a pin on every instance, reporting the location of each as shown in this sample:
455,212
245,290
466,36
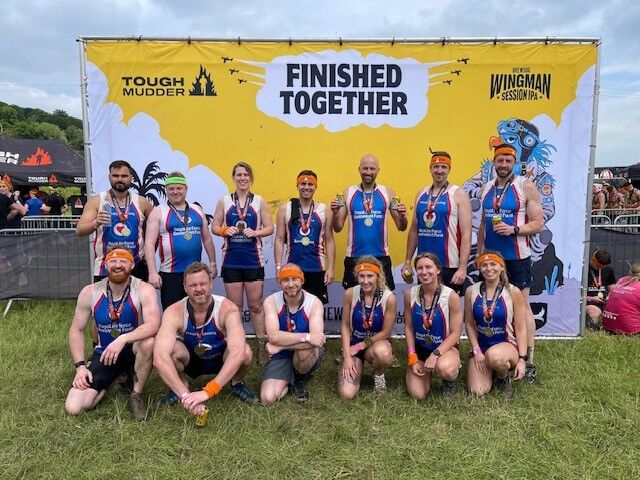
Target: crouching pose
367,320
495,318
202,334
127,316
432,329
295,332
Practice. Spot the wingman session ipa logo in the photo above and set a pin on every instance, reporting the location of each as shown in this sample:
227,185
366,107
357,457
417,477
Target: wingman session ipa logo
521,84
142,86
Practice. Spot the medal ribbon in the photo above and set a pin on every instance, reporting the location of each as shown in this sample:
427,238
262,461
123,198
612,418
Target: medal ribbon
427,318
114,314
367,203
291,324
242,212
497,202
122,216
306,225
431,206
192,319
367,320
184,220
488,311
597,282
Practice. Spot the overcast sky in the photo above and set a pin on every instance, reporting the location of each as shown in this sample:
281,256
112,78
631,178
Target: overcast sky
40,61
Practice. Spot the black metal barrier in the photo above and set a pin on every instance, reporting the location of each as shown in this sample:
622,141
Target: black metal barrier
43,263
621,241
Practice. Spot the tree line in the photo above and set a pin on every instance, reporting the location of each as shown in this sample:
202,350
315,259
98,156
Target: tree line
25,122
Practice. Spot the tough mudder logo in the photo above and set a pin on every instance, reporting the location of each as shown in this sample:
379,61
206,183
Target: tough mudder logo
520,85
139,86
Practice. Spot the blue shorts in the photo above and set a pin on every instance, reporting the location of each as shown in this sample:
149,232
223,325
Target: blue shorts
519,272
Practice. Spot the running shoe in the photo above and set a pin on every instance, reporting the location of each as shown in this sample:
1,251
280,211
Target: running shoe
448,388
300,391
379,383
530,373
241,391
504,385
138,407
169,399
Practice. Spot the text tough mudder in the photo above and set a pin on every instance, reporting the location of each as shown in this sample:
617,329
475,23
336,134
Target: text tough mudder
338,89
153,86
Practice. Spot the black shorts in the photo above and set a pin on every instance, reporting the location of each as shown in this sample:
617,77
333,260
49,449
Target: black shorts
519,272
447,274
172,289
423,353
140,271
199,366
314,283
282,368
349,280
237,275
104,375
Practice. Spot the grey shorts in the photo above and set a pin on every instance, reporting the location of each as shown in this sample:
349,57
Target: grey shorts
282,368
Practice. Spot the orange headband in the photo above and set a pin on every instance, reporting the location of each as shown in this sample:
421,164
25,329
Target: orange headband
440,160
504,151
290,272
307,179
119,253
367,266
490,257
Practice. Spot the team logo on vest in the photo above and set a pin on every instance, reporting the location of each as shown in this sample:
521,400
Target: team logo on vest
147,86
121,230
520,85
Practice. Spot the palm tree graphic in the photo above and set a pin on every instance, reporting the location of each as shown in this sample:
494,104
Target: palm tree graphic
152,184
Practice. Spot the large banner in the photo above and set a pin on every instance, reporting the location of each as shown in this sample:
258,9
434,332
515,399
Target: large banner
200,107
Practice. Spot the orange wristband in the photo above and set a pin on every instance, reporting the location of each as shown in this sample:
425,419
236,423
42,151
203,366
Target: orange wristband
412,359
221,231
212,388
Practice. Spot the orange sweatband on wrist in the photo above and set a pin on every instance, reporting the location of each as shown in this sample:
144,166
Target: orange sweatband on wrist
117,253
504,150
490,257
212,388
440,160
412,359
290,272
307,179
221,230
367,266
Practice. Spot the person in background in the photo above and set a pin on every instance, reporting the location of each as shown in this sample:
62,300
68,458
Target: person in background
34,204
601,280
54,204
622,311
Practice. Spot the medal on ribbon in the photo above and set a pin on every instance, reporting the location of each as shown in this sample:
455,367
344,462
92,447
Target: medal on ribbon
241,224
428,313
199,349
122,215
487,312
115,313
367,320
184,220
429,219
367,203
497,200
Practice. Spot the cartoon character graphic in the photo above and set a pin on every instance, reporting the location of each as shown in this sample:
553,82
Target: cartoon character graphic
533,157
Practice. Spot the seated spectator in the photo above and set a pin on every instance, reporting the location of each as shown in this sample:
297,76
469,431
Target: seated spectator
622,312
601,279
34,204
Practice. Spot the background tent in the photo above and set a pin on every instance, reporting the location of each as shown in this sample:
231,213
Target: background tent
41,162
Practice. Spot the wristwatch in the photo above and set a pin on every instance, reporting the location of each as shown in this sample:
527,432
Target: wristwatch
80,364
523,357
437,352
516,230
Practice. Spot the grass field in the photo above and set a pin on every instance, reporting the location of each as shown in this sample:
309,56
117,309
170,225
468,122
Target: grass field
580,420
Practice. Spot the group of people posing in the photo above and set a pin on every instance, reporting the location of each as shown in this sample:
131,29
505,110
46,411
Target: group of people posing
202,334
